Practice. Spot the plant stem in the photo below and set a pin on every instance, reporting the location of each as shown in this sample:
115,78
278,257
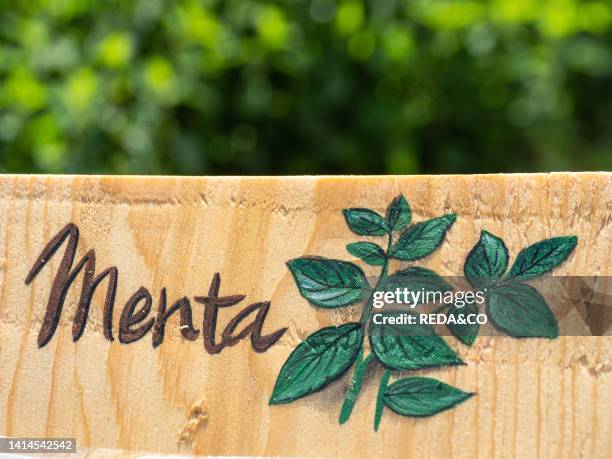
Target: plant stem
351,394
379,399
360,367
365,315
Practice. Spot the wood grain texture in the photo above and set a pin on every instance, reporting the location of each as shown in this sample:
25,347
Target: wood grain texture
535,398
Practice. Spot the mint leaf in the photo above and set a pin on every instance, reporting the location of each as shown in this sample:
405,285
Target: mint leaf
416,279
417,396
541,257
520,311
329,283
398,214
321,358
464,332
421,239
487,261
369,252
365,222
408,347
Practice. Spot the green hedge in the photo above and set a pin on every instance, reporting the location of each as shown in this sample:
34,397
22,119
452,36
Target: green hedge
296,86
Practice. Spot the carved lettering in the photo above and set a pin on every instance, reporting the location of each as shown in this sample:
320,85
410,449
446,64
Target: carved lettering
135,322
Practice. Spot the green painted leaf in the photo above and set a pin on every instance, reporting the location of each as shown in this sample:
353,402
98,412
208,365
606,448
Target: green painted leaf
421,239
365,222
487,261
329,283
416,279
409,347
541,257
321,358
369,252
520,311
466,333
417,396
398,214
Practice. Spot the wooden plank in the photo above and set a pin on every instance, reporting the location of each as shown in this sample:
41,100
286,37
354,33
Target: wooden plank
535,397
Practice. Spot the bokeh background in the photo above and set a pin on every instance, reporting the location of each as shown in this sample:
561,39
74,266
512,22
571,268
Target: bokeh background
305,86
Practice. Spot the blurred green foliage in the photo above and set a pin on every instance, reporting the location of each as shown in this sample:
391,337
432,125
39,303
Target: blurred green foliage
296,86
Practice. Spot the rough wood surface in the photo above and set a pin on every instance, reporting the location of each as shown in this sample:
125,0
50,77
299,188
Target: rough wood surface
535,398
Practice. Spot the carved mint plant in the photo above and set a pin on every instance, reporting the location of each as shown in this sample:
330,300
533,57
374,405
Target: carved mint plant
330,352
513,306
